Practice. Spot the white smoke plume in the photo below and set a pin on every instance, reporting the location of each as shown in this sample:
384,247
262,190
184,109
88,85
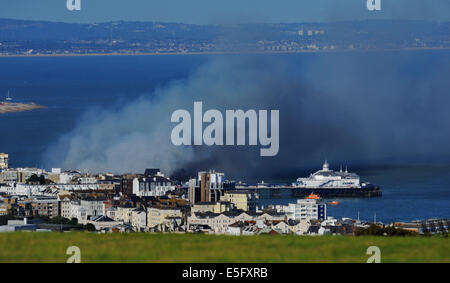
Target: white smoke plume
341,107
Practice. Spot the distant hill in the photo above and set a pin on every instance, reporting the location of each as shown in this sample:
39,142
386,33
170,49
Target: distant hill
55,31
39,37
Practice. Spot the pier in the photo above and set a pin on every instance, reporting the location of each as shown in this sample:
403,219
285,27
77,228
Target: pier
277,191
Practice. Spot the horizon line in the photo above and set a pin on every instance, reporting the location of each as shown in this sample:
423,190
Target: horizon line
230,24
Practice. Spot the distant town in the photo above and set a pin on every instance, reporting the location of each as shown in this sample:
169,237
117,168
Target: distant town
22,38
33,199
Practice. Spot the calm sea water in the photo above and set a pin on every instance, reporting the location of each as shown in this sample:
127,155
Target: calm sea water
69,86
409,193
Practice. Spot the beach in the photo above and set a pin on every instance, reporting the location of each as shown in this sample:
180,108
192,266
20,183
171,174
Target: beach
18,107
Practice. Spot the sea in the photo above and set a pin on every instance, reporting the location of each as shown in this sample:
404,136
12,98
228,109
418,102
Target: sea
70,86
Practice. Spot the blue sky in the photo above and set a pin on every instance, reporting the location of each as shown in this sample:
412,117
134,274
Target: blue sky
224,11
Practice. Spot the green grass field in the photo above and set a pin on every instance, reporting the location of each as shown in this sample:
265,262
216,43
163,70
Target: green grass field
146,247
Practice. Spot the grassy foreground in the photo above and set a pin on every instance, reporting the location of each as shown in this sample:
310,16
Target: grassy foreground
145,247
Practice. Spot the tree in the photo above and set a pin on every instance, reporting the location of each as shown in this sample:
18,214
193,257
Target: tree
90,227
34,179
59,220
383,231
44,218
12,211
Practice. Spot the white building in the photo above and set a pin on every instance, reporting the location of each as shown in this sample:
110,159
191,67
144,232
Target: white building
124,214
78,212
220,223
207,188
242,199
20,175
215,179
156,216
325,226
327,178
102,222
236,228
4,161
300,227
87,180
8,176
283,227
111,212
94,207
152,186
139,219
306,209
65,206
67,177
12,190
86,208
29,190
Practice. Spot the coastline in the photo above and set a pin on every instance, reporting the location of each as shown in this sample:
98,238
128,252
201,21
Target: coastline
217,52
19,107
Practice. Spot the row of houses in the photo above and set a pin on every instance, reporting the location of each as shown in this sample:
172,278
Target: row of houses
218,223
144,202
150,219
430,226
17,182
267,223
161,215
274,227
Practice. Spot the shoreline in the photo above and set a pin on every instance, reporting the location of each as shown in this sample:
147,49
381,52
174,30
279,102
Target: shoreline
217,53
19,107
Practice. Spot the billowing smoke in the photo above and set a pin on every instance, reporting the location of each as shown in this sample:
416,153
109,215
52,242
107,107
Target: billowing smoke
359,108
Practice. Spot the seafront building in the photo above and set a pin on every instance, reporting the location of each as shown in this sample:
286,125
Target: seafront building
305,209
93,206
45,206
154,184
30,190
242,199
157,215
208,187
139,219
123,213
19,175
65,206
152,202
4,158
215,207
